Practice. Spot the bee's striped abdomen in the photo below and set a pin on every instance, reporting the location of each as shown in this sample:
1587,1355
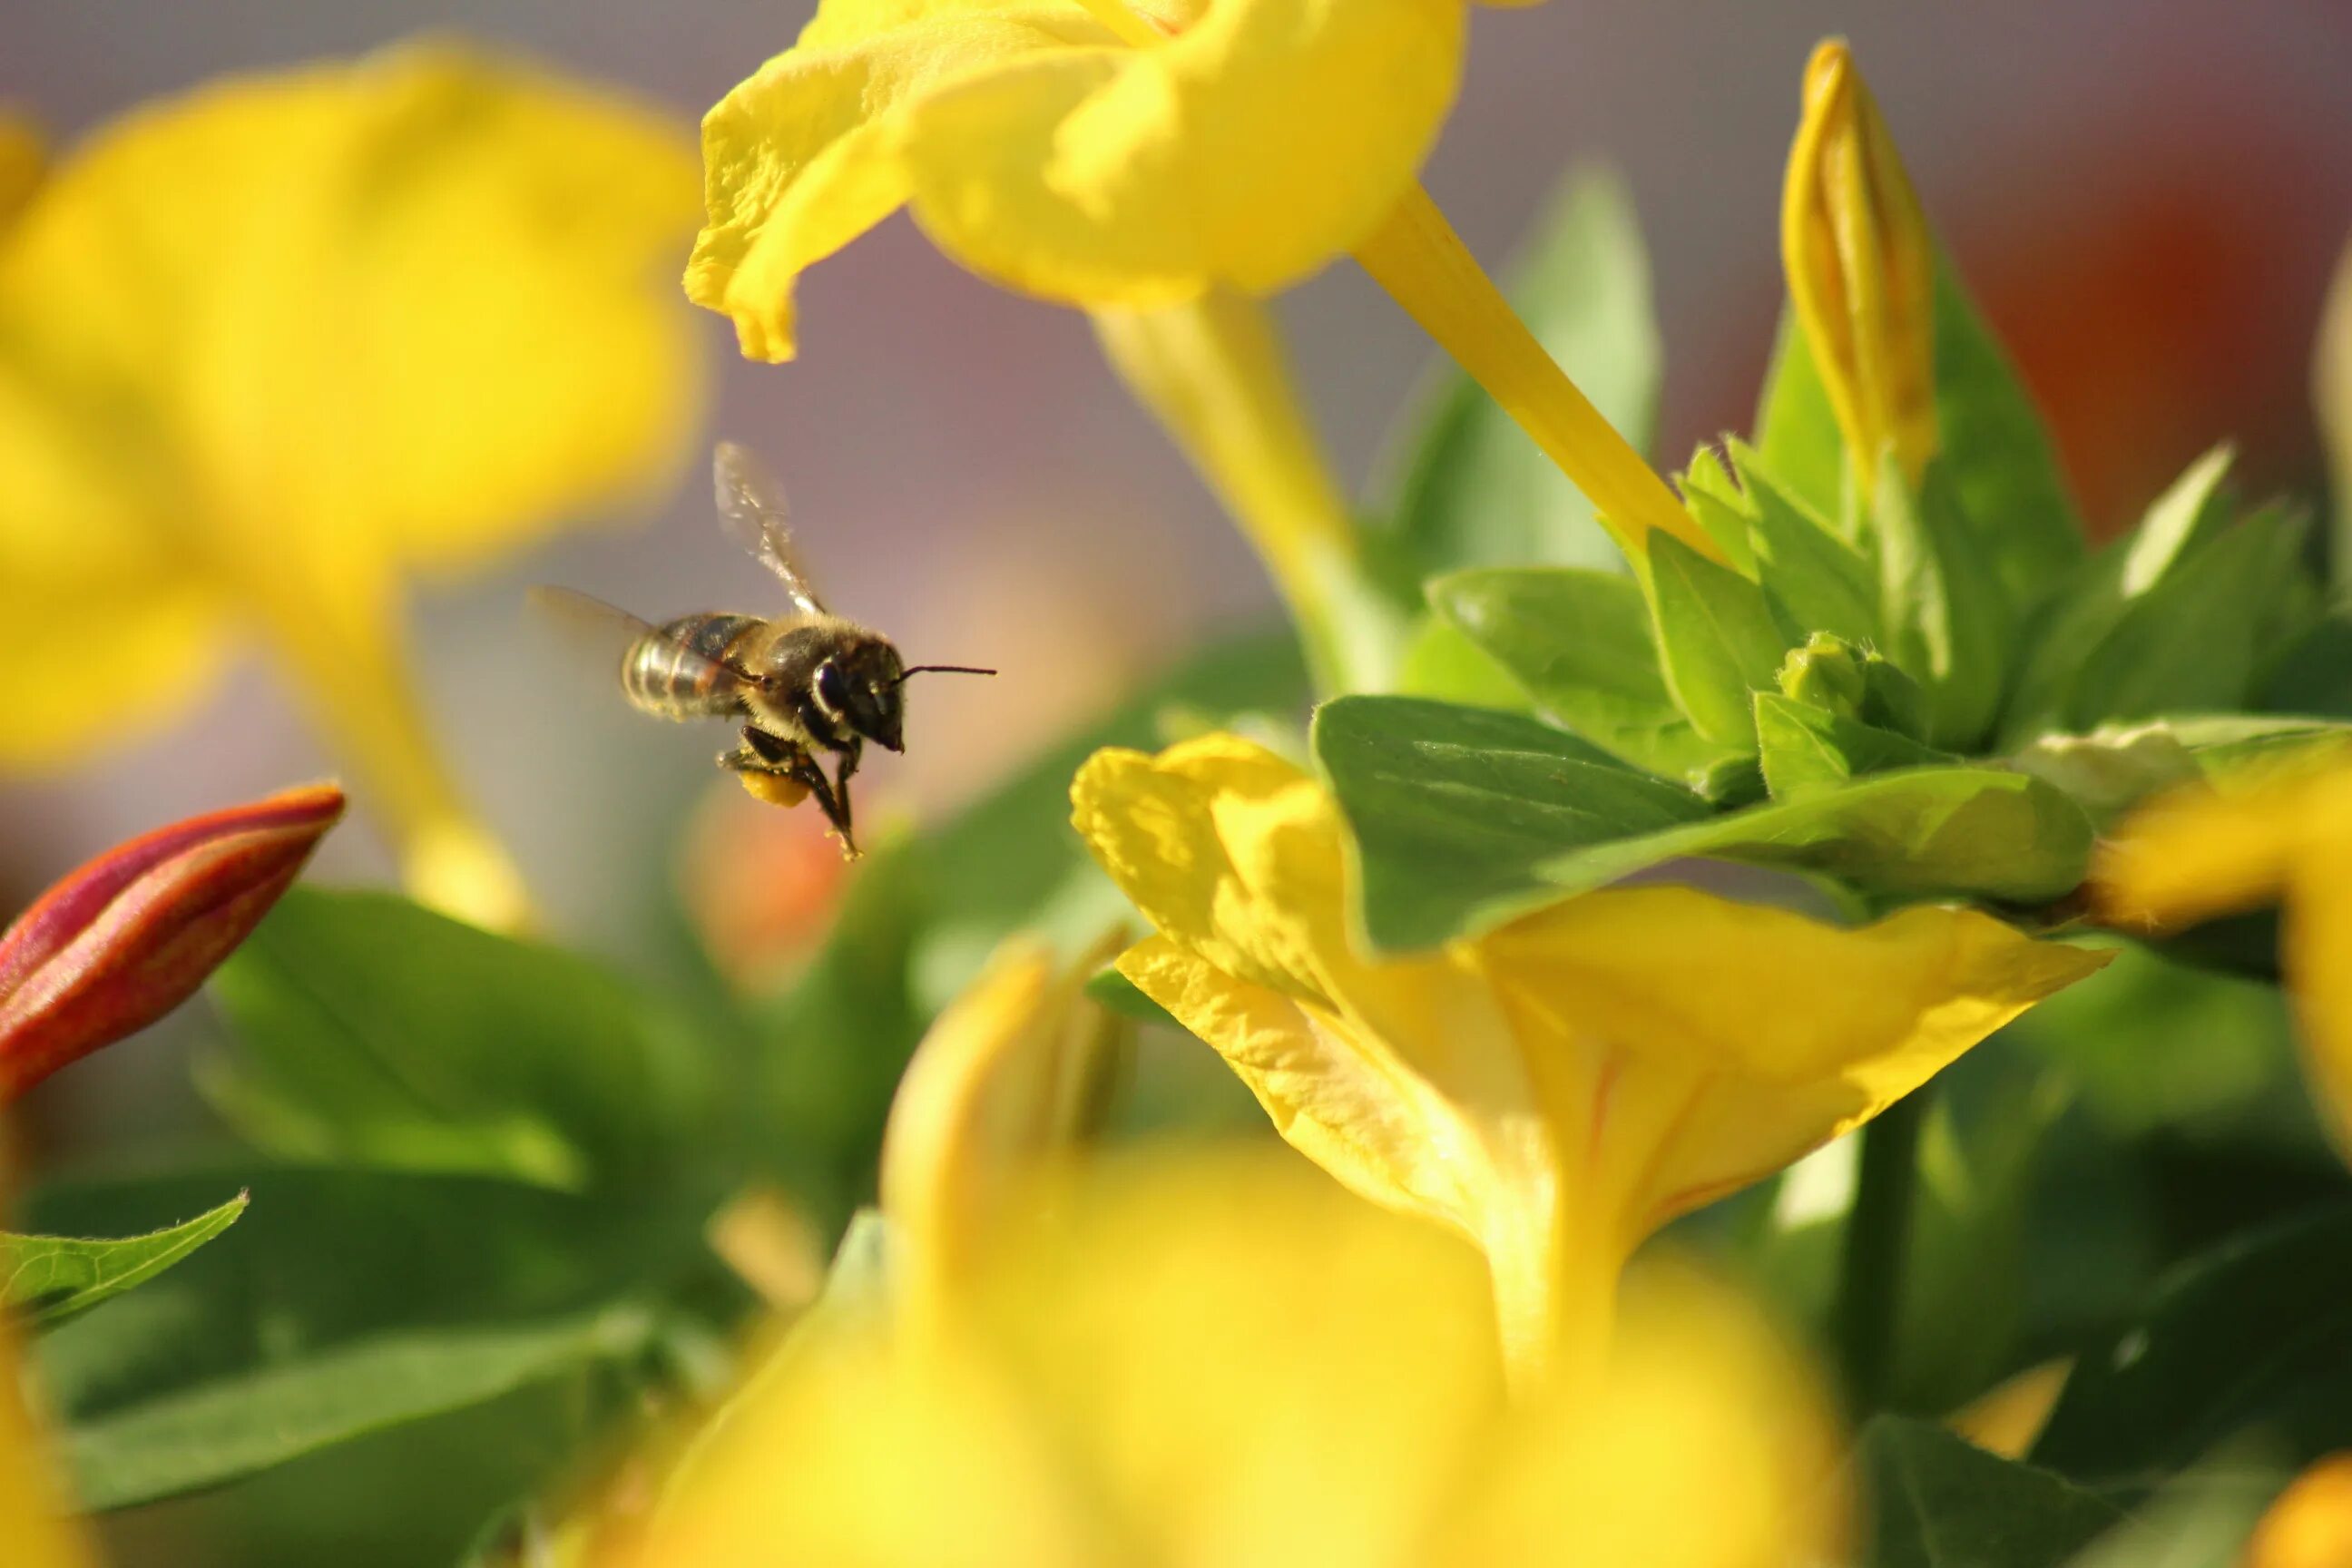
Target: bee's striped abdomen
683,672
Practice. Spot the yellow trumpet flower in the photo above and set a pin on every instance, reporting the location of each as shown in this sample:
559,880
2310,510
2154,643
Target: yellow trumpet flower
1220,1361
1862,270
1140,160
2265,836
268,348
1554,1091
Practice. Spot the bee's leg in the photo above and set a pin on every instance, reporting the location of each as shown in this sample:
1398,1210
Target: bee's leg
764,752
850,756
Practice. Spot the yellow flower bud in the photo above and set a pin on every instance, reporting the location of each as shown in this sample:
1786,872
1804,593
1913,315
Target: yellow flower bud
1861,270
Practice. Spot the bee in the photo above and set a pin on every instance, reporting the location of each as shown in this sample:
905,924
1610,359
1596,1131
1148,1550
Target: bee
804,682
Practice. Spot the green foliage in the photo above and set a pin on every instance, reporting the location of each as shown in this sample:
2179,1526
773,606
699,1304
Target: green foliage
51,1277
2253,1338
1717,641
1579,645
1463,818
1475,490
1938,1501
372,1031
1453,806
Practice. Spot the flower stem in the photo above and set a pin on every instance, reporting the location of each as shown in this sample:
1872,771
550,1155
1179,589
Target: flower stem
1416,256
1878,1249
1214,374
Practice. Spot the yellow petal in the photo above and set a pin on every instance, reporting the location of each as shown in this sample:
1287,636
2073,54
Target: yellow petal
1740,1036
2331,395
2310,1523
1861,269
808,153
1216,1363
2201,851
1262,139
995,1091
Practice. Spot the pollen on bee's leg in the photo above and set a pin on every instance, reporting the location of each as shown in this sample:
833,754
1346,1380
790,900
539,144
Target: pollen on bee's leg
774,789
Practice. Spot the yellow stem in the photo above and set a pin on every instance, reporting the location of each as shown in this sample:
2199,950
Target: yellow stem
1554,1305
359,697
1416,256
1214,374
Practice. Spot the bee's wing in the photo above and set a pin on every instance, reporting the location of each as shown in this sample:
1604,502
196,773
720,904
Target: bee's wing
609,632
752,508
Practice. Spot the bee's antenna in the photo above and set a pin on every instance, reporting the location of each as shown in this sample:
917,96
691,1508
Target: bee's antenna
942,669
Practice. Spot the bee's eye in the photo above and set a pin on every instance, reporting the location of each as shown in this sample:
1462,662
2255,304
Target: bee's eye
832,689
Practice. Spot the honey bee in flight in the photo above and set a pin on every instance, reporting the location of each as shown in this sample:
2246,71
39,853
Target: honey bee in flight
802,683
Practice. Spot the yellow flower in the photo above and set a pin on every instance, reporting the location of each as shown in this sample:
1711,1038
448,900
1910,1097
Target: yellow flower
1135,159
269,348
1554,1091
2259,837
2310,1525
1861,269
1228,1363
1085,153
998,1092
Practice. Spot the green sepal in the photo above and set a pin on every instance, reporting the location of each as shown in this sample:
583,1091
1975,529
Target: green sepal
2115,766
1820,581
1717,640
1946,620
1797,431
1579,643
1997,447
2192,511
1713,498
1804,749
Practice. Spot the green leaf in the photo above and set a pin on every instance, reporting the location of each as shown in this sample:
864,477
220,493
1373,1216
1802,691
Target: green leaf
2254,1337
2192,510
1718,642
1998,450
1797,434
1451,806
374,1031
1464,819
1445,664
326,1261
221,1432
1714,498
1946,621
52,1278
1821,583
1938,1501
1805,748
1579,643
1476,490
2200,638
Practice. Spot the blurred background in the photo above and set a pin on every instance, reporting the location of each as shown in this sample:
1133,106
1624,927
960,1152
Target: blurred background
2147,194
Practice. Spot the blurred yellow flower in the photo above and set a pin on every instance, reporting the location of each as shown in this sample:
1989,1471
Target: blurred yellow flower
2310,1525
1229,1363
267,349
1135,158
997,1094
1554,1091
1861,269
2279,835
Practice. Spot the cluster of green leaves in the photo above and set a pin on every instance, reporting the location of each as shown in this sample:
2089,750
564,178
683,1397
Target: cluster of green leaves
1900,690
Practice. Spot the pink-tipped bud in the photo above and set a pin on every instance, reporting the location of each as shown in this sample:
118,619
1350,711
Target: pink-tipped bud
132,934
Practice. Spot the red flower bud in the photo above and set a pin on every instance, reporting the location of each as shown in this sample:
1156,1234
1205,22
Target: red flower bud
132,934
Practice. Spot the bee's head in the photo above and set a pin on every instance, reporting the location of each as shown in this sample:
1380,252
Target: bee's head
860,683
